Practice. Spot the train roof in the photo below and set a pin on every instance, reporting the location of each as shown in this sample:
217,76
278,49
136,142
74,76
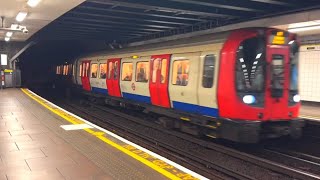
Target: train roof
215,38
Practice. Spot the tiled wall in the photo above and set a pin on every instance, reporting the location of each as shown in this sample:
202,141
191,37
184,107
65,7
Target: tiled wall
309,74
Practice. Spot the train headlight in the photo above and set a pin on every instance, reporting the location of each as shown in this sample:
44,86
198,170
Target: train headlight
249,99
296,98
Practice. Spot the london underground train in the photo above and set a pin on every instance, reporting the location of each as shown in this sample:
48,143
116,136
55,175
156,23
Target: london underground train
240,85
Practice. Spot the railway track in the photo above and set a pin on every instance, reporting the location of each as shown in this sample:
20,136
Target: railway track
212,160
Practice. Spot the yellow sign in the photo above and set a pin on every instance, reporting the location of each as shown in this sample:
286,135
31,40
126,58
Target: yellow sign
279,38
135,57
8,70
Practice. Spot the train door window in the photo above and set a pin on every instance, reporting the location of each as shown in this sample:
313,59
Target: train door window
110,70
142,71
73,70
156,65
102,71
116,69
84,69
80,72
86,74
180,74
70,69
61,70
208,71
126,72
163,71
94,70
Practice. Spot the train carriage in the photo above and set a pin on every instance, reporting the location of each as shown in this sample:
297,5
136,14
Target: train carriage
239,85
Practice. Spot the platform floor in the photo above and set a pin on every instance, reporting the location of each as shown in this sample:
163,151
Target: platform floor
34,146
311,112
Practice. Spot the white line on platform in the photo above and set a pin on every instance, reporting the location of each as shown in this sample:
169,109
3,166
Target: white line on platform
70,127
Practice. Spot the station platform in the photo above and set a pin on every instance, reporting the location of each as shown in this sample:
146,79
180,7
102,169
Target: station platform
310,111
39,140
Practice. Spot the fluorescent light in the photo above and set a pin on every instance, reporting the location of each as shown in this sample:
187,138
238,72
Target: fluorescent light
299,29
7,39
33,3
256,62
4,59
258,55
9,34
243,66
21,16
241,60
291,42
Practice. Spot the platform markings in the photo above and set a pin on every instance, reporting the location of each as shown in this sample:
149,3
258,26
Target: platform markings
311,118
160,164
71,127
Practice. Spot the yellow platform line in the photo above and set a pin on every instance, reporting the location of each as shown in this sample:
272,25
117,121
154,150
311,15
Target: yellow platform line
100,136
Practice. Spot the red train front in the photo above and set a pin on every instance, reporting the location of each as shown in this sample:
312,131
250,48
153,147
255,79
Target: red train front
258,85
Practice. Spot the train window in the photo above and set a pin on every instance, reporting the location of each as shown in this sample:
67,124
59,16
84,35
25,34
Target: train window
115,70
94,70
73,70
250,65
80,70
66,69
180,74
110,70
86,74
57,70
294,55
126,72
84,69
61,69
208,71
70,69
156,64
102,71
142,71
163,71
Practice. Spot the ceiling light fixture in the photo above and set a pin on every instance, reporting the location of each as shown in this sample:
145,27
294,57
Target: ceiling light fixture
9,34
33,3
300,29
7,39
21,16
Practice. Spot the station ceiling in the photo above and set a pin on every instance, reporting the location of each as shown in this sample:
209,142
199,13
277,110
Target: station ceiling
137,20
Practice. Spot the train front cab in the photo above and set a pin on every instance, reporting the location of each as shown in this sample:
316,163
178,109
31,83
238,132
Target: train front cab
262,99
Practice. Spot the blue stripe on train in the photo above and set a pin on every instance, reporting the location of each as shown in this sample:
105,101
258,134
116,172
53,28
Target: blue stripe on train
99,90
136,97
192,108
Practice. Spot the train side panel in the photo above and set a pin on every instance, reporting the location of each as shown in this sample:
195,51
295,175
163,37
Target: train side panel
97,77
134,79
207,84
183,81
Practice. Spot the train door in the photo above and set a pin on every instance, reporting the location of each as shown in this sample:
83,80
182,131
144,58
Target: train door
278,80
113,83
158,85
85,75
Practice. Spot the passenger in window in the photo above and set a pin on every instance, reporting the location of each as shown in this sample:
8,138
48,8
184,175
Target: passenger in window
128,77
94,75
142,77
103,75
